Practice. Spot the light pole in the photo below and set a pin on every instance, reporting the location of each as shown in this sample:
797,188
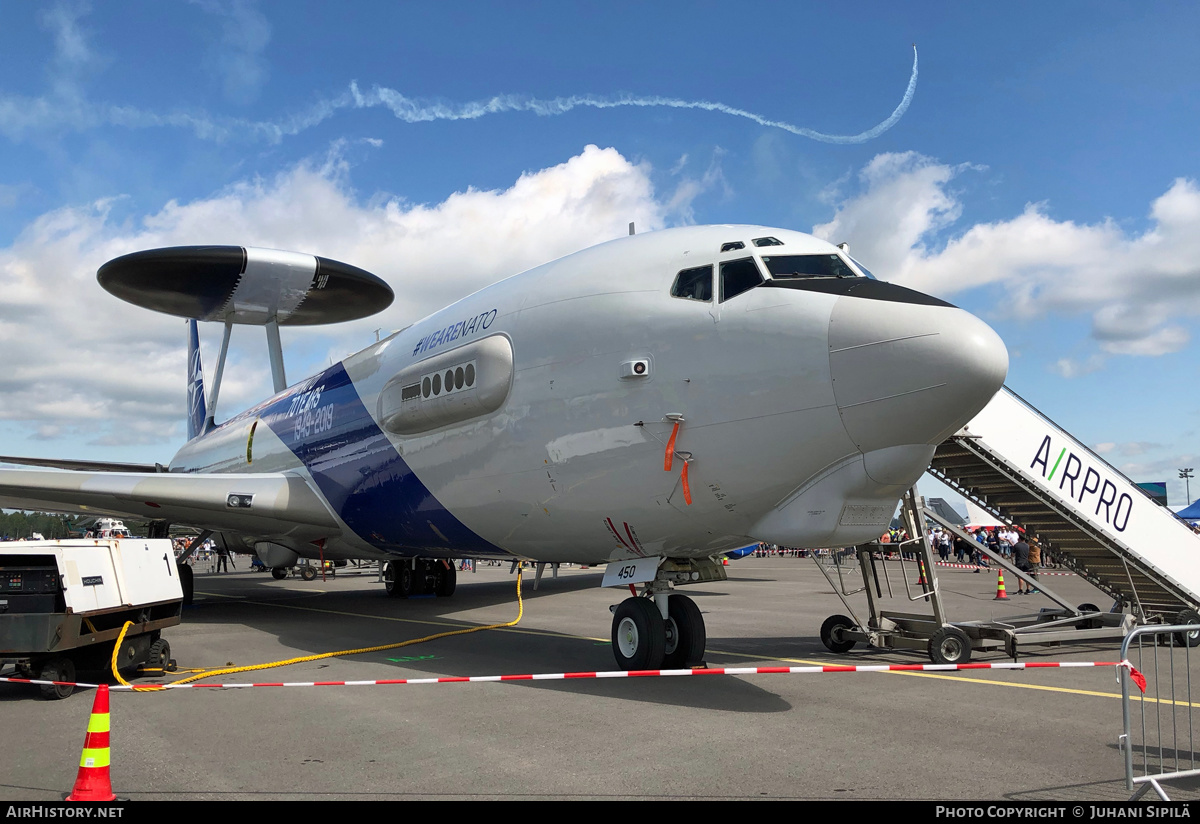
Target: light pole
1186,474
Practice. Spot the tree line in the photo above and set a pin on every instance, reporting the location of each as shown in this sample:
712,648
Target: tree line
22,525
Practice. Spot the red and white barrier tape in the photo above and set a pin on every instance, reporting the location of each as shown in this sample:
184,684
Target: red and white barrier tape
1138,678
1039,573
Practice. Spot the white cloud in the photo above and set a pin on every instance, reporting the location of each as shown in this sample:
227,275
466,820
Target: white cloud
71,49
1137,288
81,362
1159,469
689,188
904,192
1072,368
238,58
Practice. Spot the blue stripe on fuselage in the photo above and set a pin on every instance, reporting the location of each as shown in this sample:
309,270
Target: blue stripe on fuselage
366,481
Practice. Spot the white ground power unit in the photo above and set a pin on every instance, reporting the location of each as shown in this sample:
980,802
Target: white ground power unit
63,604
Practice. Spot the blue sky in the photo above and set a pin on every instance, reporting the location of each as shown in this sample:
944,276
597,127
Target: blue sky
1043,177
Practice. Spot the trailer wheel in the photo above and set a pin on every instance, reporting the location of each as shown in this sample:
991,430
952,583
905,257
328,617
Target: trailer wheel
58,668
308,573
279,573
950,645
1192,638
1094,623
160,656
833,633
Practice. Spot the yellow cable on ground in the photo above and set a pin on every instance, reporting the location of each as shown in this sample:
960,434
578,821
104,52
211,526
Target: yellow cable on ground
253,667
116,651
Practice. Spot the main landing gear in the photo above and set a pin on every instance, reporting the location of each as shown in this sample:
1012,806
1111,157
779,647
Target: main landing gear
419,576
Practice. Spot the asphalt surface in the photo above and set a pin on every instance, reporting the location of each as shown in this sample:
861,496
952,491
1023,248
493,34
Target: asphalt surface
1033,735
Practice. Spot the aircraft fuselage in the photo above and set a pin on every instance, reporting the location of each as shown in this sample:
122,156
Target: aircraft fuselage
805,407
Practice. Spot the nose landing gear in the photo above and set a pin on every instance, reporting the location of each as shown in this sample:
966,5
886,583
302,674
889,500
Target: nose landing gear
643,639
660,629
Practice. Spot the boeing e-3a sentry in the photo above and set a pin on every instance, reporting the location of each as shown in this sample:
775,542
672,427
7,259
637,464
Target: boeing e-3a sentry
647,403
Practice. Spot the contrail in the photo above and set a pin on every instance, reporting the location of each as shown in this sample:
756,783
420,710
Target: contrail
415,111
21,115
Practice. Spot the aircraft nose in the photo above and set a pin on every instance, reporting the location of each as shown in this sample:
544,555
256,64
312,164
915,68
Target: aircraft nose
908,368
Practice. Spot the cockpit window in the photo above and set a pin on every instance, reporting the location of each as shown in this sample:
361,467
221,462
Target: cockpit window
738,276
767,241
732,245
694,284
808,266
863,269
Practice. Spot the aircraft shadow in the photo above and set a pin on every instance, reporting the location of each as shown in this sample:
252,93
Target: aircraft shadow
285,612
697,692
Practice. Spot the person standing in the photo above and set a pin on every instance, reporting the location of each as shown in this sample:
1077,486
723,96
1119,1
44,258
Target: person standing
1020,556
962,549
1035,560
1008,540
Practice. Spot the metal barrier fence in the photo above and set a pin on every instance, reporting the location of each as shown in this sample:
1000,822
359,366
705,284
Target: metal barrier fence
1158,741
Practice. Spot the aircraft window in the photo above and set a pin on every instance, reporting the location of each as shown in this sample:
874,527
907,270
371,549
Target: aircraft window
808,266
863,269
694,284
410,392
767,241
729,247
737,276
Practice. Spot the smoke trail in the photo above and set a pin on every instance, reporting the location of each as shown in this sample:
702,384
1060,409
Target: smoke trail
20,116
415,111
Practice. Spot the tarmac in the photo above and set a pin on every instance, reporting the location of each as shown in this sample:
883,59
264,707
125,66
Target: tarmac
1032,735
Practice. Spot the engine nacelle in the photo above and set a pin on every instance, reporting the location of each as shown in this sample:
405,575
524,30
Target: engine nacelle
275,556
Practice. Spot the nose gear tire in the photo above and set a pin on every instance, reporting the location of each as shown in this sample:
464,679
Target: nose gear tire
686,636
638,635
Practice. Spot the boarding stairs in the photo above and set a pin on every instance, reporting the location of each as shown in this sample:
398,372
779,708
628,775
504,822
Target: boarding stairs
1024,469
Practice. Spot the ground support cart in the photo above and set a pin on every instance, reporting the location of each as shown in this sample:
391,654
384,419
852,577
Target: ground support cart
63,605
946,642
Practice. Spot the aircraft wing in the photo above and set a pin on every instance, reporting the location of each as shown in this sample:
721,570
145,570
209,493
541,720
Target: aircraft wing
87,466
266,505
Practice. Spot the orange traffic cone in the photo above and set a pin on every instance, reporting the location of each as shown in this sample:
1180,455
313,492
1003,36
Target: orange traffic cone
724,562
1001,595
92,783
